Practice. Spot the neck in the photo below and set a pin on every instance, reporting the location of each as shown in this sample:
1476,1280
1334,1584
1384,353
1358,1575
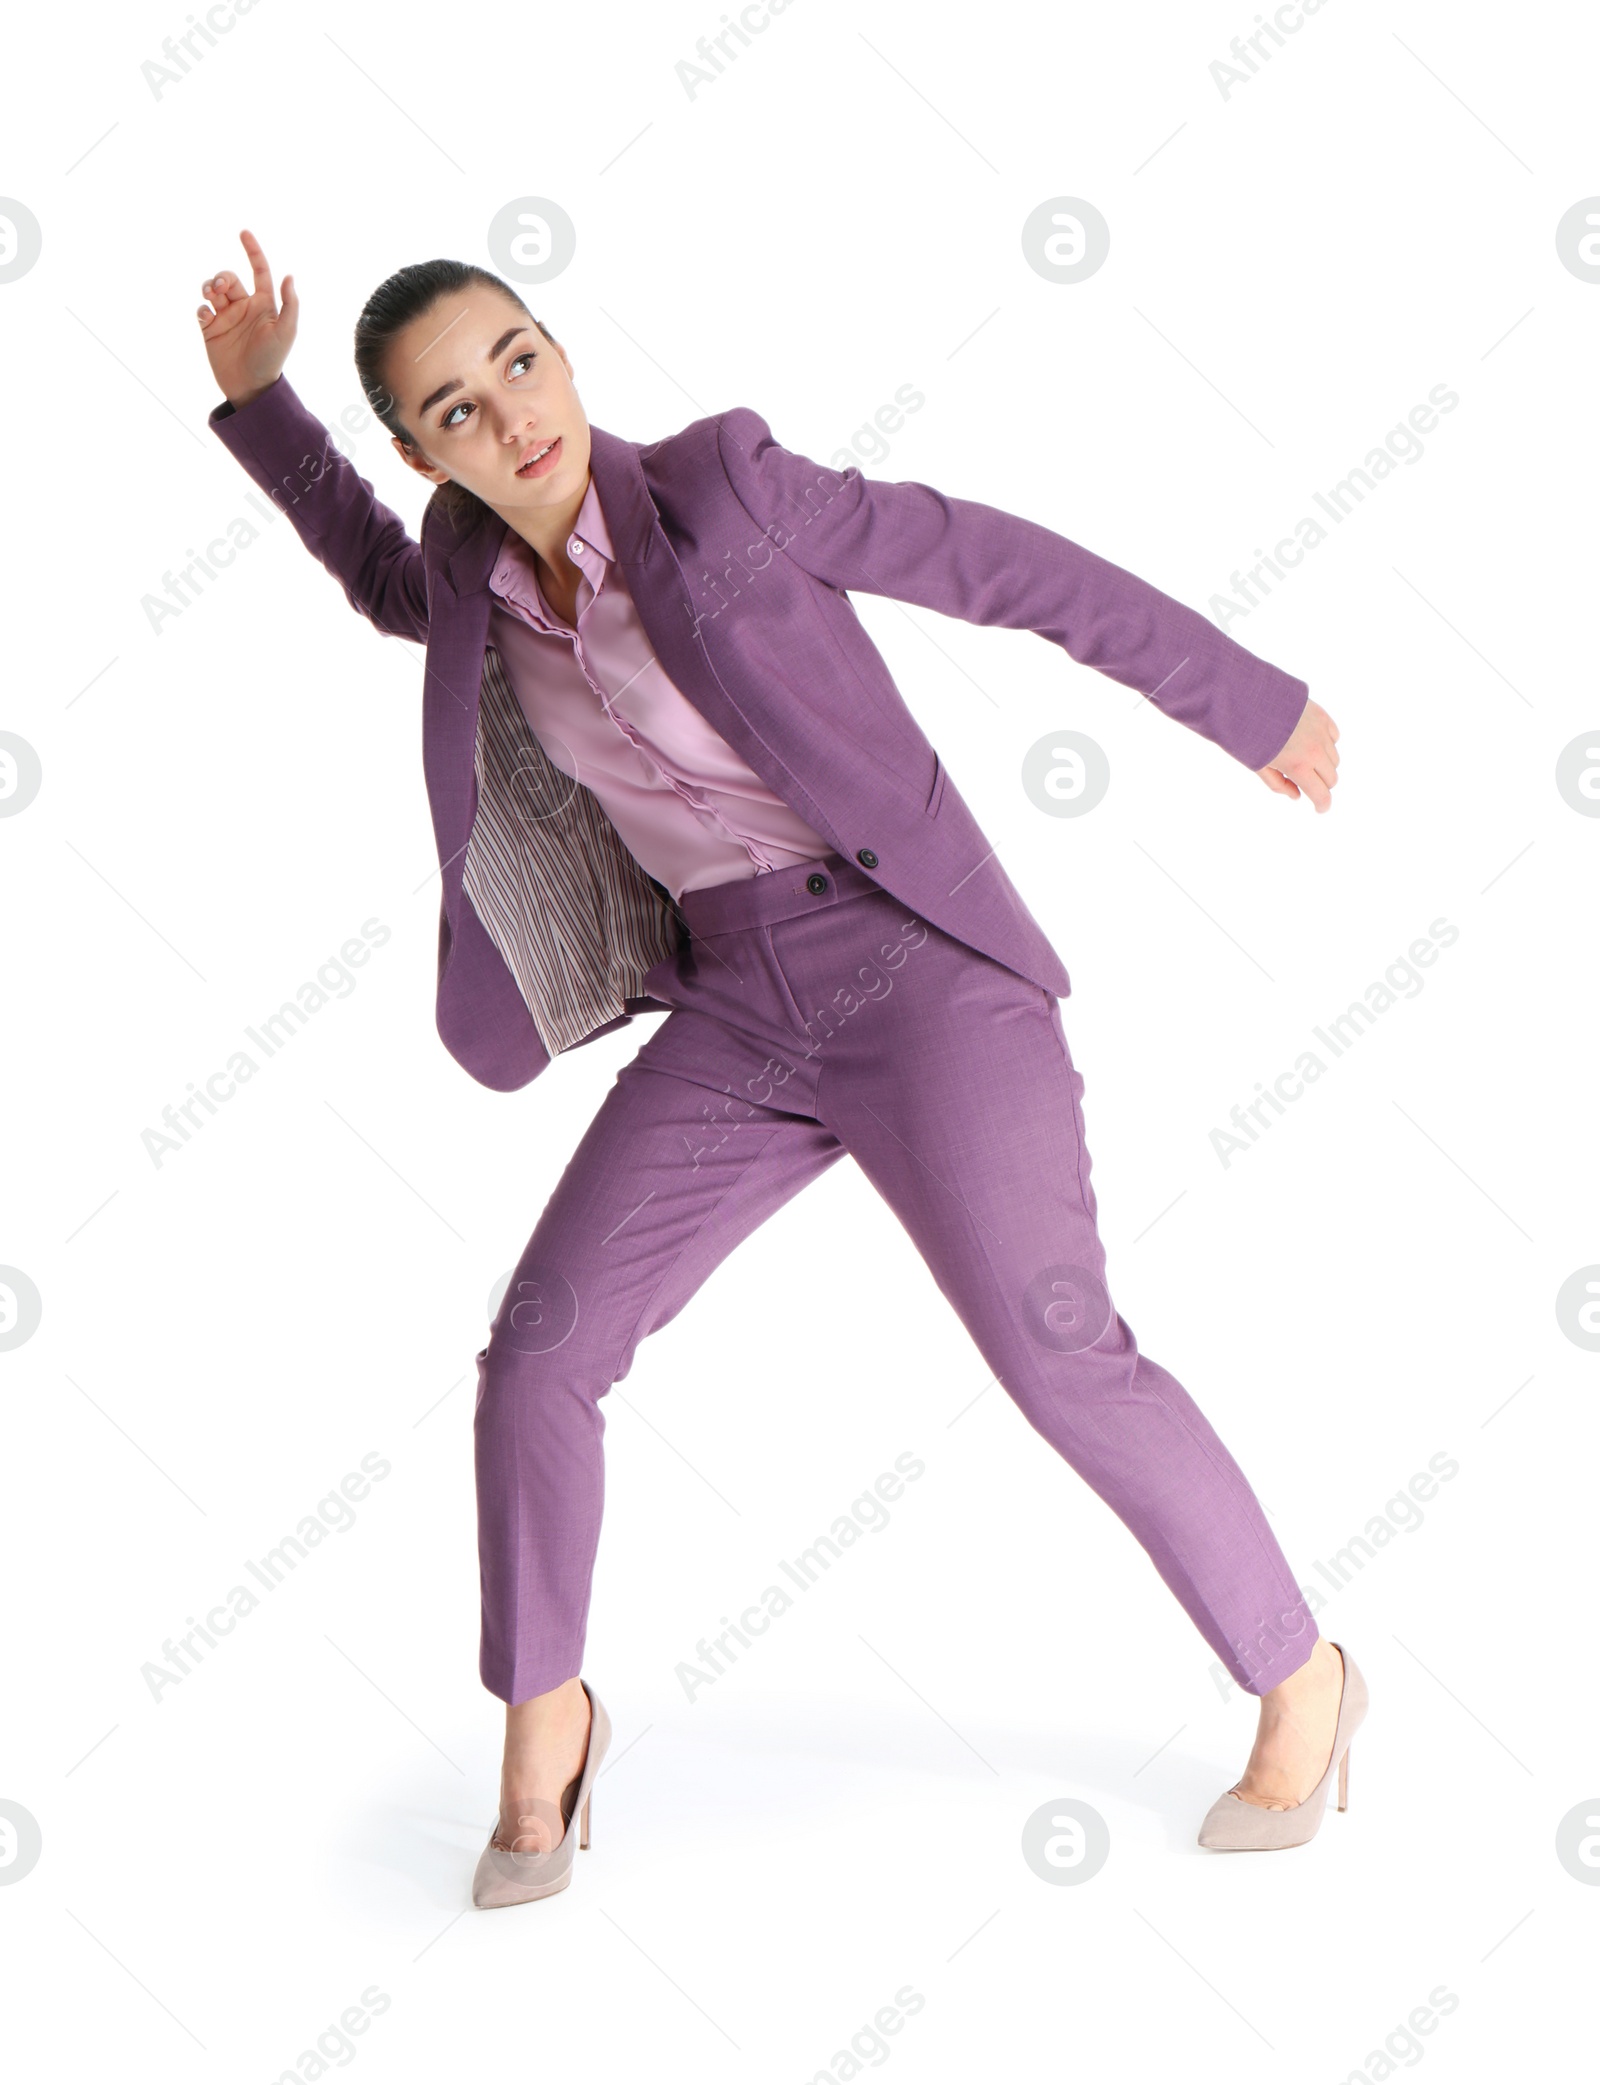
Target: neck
546,529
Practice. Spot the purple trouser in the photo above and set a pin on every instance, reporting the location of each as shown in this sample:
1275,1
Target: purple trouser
812,1016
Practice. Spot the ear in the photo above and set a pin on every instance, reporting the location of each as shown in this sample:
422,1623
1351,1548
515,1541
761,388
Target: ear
423,469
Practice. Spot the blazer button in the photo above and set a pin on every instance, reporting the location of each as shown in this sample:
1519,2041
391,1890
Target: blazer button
866,857
816,882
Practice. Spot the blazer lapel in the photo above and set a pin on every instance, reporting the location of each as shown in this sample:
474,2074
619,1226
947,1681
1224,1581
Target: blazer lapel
662,596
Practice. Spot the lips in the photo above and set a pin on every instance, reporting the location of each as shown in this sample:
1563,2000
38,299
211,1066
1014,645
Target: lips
540,458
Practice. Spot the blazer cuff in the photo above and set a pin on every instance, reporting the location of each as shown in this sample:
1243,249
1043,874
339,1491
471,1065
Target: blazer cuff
1274,706
274,424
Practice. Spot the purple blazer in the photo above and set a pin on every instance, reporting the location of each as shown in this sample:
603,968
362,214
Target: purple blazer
740,556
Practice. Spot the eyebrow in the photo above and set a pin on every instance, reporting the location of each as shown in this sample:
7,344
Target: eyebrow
454,383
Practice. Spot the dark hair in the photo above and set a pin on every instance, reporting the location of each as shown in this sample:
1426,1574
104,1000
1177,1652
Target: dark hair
387,312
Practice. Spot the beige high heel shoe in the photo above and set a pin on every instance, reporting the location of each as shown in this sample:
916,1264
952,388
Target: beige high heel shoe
503,1875
1234,1826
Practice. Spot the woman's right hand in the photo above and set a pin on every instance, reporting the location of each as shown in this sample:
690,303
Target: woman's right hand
247,337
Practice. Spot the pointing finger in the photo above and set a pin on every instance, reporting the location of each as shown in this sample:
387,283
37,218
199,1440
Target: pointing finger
258,262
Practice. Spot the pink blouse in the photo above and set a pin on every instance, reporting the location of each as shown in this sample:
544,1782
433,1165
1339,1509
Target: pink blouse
602,706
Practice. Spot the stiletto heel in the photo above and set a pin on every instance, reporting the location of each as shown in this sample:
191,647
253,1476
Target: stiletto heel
1234,1826
505,1876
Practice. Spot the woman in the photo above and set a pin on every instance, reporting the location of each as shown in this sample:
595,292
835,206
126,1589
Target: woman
669,771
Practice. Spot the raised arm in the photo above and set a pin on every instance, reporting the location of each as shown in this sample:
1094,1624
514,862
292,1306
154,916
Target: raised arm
983,565
291,455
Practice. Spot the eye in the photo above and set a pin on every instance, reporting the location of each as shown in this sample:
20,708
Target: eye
449,420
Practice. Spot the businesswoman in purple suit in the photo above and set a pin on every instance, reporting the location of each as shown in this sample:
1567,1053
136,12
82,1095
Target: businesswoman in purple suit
669,771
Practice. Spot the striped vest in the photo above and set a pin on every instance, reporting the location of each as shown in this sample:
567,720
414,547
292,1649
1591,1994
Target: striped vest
576,918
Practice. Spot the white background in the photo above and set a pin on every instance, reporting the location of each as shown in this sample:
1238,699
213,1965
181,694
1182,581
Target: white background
1292,267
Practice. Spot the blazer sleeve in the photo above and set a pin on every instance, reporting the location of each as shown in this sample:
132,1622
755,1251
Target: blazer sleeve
984,565
290,454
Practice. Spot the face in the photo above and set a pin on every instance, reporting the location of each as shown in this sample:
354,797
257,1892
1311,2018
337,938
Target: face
483,391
